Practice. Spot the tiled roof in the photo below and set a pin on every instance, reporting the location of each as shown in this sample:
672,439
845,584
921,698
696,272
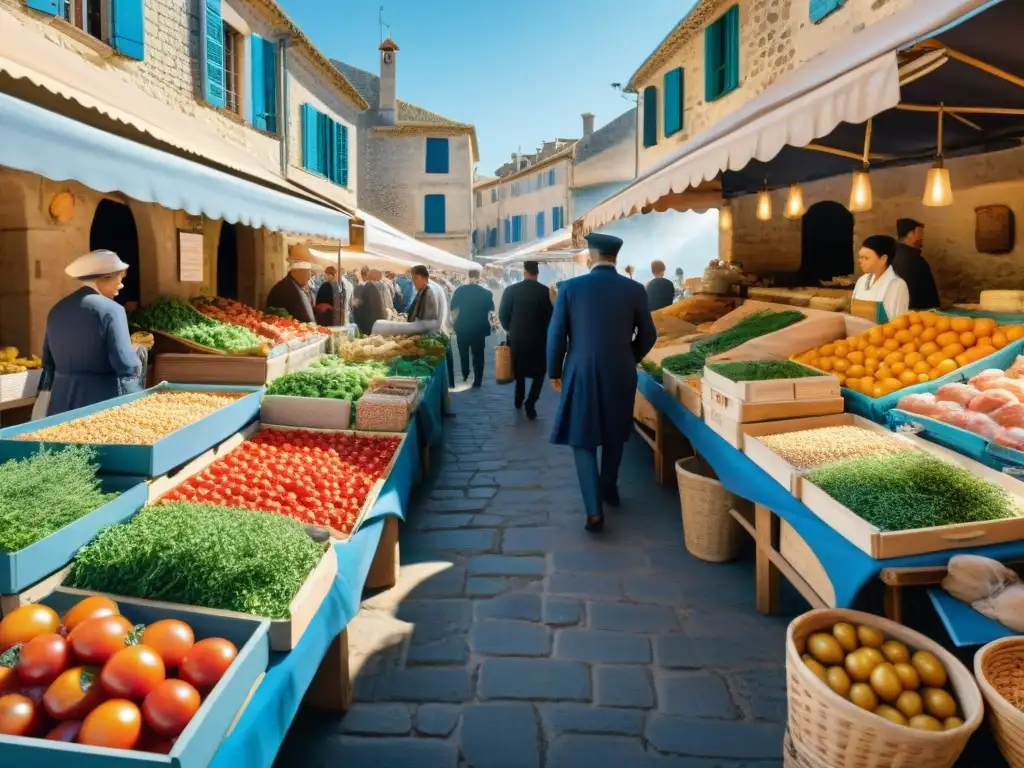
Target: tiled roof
703,11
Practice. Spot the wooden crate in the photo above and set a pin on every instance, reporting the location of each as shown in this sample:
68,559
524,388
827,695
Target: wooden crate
744,412
219,369
291,411
644,412
819,387
683,392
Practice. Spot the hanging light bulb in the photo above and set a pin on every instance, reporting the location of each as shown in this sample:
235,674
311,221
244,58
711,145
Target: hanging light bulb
794,203
938,190
764,204
860,189
725,218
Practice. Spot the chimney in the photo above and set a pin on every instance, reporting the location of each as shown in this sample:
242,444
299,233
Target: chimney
387,108
588,124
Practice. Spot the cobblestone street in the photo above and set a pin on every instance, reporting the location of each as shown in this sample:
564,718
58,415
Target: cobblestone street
517,640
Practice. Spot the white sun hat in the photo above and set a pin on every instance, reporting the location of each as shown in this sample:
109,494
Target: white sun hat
95,264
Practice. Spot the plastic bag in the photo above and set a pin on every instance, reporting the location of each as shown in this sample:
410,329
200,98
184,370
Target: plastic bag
992,589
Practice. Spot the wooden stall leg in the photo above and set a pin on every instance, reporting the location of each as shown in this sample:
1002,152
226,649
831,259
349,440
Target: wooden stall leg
768,576
385,566
669,447
331,688
894,603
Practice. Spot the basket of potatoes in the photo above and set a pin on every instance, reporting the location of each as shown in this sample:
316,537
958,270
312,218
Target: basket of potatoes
866,692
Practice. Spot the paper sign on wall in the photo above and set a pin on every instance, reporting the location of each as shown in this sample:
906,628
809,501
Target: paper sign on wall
190,257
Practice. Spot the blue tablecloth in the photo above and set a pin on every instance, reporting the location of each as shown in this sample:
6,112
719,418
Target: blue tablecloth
848,568
430,414
966,627
262,728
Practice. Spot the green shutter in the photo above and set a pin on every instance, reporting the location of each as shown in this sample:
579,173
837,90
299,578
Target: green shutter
673,101
822,8
732,48
343,152
650,116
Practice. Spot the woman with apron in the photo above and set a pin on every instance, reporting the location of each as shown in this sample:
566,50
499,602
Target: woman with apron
880,294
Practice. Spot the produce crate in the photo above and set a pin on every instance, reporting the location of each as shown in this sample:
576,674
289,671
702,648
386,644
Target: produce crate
20,570
962,441
305,353
398,409
744,412
888,544
323,412
818,328
198,743
220,369
683,392
18,386
146,460
820,387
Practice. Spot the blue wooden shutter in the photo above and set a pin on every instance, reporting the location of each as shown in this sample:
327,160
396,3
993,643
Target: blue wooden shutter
732,48
508,230
437,156
52,7
650,116
257,81
822,8
540,224
712,61
310,139
270,85
433,214
127,35
673,101
342,154
212,62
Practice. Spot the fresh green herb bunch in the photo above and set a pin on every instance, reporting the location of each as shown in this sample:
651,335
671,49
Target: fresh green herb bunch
904,491
346,382
201,554
181,319
762,370
46,492
417,367
751,327
652,368
328,361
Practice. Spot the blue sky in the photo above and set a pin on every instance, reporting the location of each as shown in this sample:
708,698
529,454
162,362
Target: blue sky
521,71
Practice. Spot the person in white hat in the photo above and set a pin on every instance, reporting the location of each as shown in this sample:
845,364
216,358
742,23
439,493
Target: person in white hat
88,355
291,292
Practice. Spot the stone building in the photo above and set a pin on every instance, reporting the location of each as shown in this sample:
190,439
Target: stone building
168,123
728,69
417,166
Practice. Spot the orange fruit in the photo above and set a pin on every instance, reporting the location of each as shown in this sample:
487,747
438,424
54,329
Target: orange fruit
825,364
947,338
916,330
897,368
908,348
827,350
842,350
952,350
908,377
934,374
942,324
928,348
877,391
892,383
866,383
984,326
883,373
935,358
852,383
913,358
922,367
894,357
856,357
875,336
930,334
901,323
928,319
888,331
999,340
961,324
840,365
1014,332
922,378
891,344
870,366
946,366
967,338
855,371
963,359
903,336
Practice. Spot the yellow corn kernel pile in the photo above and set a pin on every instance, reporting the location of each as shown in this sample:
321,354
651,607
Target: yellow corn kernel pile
817,447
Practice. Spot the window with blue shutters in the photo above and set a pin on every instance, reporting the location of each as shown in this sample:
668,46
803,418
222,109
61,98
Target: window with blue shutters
212,49
324,145
492,237
540,224
437,155
263,84
650,116
52,7
822,8
433,214
557,218
126,28
673,94
125,19
552,177
722,55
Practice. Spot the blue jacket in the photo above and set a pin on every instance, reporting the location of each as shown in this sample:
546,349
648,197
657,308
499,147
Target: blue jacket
88,351
600,330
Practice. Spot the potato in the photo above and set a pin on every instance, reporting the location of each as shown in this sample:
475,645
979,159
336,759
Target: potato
815,666
909,678
910,703
895,651
925,723
846,636
862,695
890,714
951,722
938,703
838,680
862,662
885,682
930,669
825,648
870,636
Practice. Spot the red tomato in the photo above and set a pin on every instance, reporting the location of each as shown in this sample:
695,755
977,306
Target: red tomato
170,638
90,608
66,731
42,659
8,679
116,724
96,640
170,707
154,742
74,694
133,672
27,622
207,662
19,715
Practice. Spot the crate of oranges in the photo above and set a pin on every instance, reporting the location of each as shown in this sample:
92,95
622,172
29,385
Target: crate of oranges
914,348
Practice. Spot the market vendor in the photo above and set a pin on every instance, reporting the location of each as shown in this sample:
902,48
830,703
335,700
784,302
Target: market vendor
331,300
912,266
880,294
291,292
88,355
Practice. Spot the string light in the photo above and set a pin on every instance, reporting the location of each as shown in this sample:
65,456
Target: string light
938,189
794,203
764,204
860,189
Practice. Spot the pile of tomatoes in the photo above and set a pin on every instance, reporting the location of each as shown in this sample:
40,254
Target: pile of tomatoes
277,329
320,478
91,677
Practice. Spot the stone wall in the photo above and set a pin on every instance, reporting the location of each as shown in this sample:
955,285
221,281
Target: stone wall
960,271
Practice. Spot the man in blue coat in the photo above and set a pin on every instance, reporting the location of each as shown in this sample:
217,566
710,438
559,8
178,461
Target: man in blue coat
601,329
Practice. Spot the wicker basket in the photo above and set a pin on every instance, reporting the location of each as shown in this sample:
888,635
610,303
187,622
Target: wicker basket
830,732
793,757
999,665
710,531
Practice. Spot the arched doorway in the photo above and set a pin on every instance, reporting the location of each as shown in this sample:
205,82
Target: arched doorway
113,228
227,262
827,244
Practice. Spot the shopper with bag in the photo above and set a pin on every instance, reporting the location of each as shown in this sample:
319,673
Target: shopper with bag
525,314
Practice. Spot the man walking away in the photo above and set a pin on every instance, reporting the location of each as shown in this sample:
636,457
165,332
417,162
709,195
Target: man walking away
472,305
912,267
601,329
525,314
660,290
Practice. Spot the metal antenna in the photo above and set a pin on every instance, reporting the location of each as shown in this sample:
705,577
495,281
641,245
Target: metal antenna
383,26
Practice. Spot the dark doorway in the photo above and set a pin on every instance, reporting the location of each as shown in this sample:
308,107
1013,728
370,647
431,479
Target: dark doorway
827,248
113,229
227,262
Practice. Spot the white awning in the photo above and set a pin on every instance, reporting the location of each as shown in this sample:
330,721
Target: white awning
558,240
851,82
354,260
382,239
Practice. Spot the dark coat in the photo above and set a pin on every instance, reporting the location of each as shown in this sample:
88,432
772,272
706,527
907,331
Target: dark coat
332,294
660,293
912,267
592,349
474,304
525,315
88,349
369,307
292,298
